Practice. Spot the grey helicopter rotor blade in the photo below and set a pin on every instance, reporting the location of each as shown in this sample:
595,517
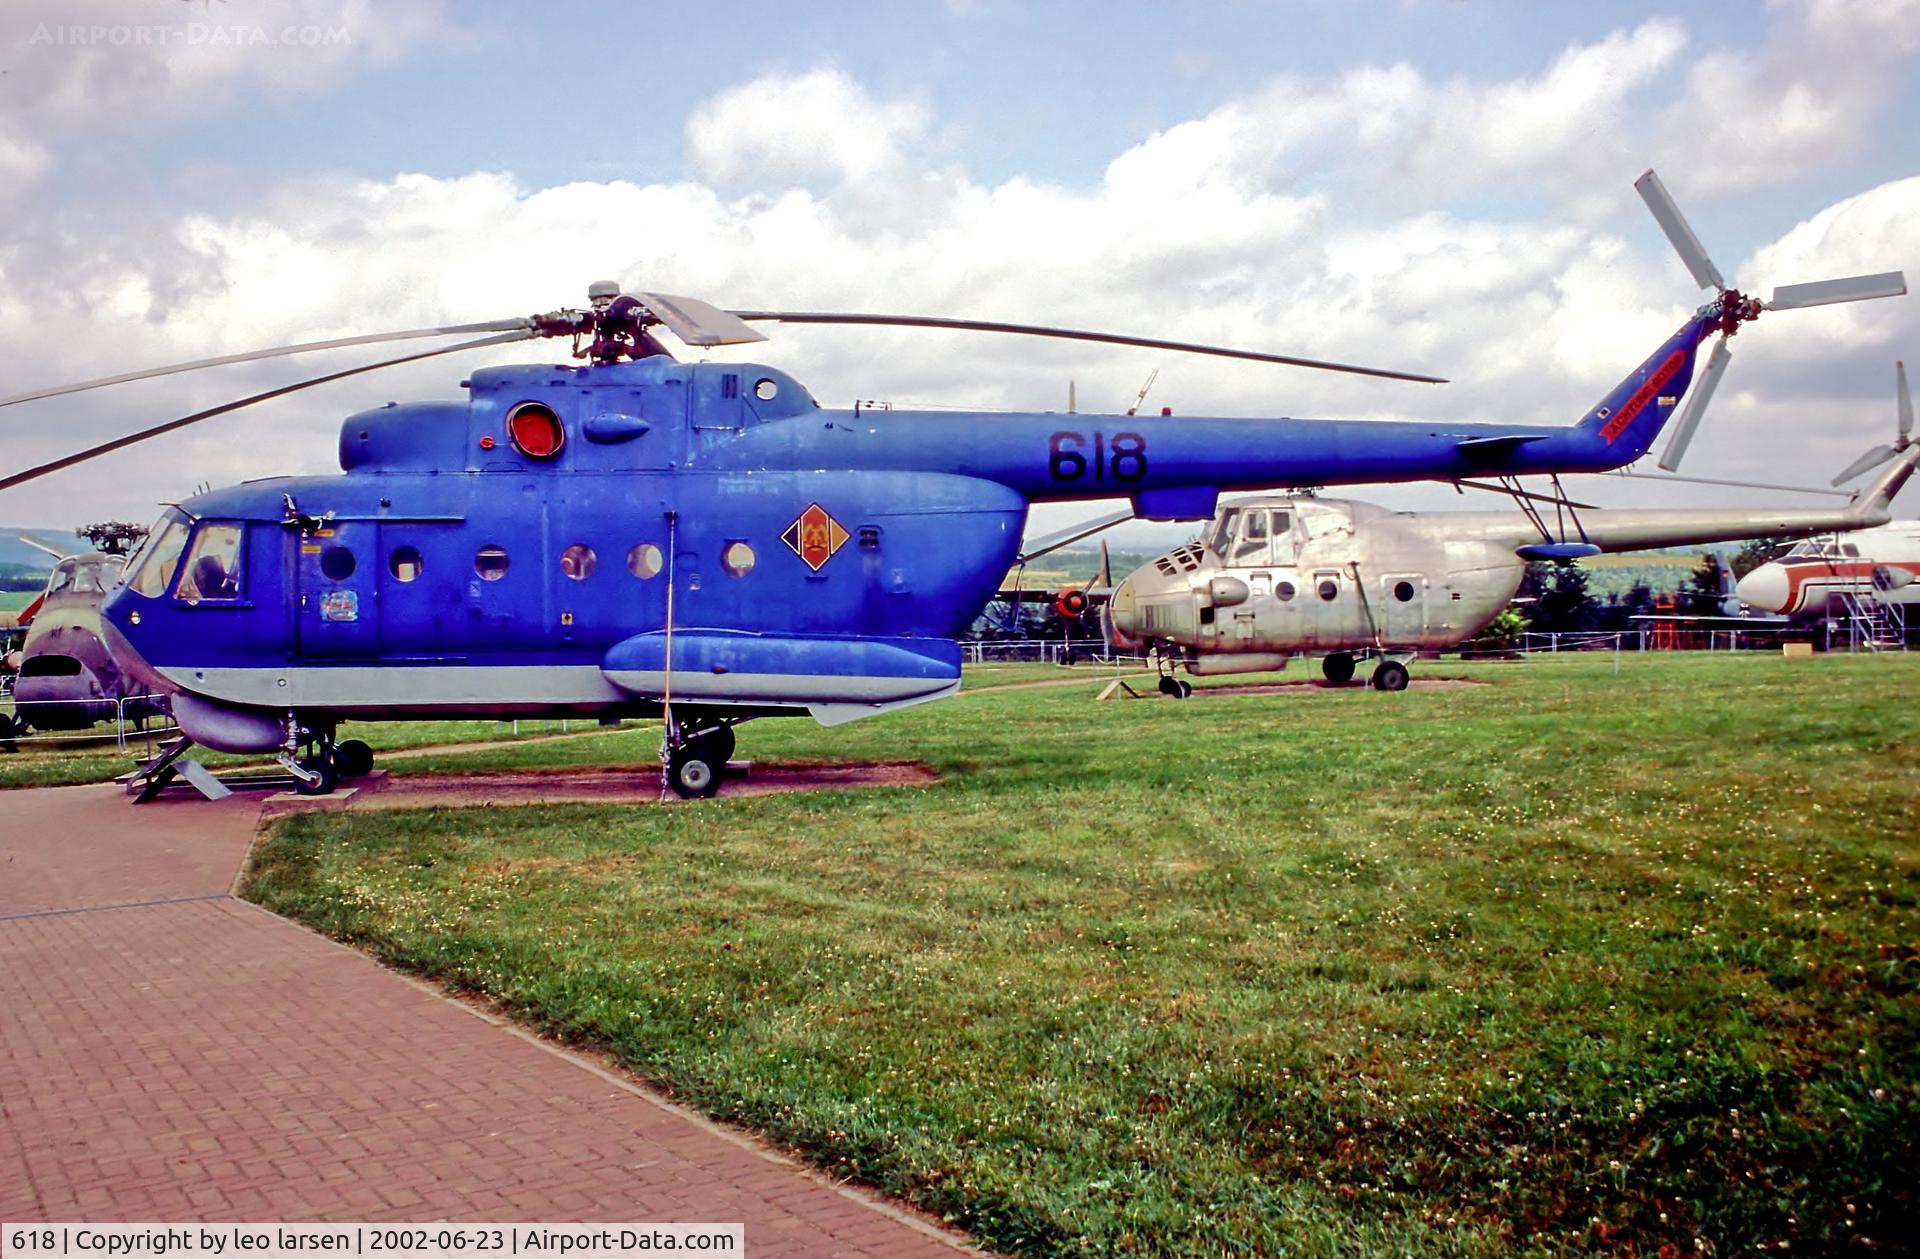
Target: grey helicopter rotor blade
698,323
278,351
1872,459
145,434
1628,474
1853,288
1905,401
1903,434
1696,406
1674,224
1070,334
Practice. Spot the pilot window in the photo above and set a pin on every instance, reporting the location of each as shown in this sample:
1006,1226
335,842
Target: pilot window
62,579
212,569
1252,547
1849,550
153,569
1223,531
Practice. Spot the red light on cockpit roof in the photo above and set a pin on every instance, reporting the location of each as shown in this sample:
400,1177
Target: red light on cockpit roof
535,430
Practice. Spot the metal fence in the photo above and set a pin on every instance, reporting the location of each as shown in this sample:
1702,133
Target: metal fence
132,719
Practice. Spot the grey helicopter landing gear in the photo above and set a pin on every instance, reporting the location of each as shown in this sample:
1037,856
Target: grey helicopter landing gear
1390,675
1171,684
1338,668
697,756
317,763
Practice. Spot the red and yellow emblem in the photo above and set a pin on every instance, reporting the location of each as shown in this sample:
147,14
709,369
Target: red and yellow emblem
815,536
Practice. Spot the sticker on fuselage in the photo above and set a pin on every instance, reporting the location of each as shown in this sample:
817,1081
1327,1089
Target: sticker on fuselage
814,536
340,605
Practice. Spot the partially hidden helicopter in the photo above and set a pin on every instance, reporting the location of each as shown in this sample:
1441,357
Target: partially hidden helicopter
1819,576
638,535
66,678
1281,576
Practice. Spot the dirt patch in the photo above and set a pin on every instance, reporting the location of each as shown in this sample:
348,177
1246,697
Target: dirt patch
638,785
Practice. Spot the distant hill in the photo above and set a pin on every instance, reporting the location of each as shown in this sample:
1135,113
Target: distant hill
16,554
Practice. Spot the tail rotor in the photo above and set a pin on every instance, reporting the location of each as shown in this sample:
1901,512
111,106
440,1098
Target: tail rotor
1731,308
1903,433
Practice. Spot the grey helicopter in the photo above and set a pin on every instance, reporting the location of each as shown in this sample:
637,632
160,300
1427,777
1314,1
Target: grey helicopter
1278,576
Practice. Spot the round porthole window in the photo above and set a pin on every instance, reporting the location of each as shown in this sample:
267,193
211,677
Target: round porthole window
490,562
766,389
1403,591
535,430
1329,590
737,559
643,561
404,563
577,561
1283,591
337,563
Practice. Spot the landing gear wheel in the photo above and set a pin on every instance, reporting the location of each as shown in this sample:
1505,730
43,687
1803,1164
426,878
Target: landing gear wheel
691,773
353,759
327,779
1391,675
1338,668
1175,688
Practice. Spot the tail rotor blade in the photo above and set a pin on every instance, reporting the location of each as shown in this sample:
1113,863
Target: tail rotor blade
1872,459
1906,402
1696,406
1674,224
338,343
1853,288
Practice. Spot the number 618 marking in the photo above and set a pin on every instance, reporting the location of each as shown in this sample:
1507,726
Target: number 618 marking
1123,457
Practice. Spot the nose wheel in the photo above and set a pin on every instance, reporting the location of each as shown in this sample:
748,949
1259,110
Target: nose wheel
318,764
1390,675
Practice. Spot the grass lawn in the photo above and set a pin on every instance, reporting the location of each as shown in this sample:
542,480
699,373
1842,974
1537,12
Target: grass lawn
1574,961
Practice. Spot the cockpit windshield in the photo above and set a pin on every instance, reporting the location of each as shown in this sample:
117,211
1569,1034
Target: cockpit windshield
84,575
1222,536
151,571
213,566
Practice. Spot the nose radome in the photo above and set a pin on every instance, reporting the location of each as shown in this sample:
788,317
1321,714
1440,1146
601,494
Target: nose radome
1765,588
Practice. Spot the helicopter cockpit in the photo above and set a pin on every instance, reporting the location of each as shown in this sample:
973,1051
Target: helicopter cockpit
84,575
203,554
1244,537
1822,549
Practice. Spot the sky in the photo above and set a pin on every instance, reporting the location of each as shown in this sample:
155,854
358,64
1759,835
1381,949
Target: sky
1433,186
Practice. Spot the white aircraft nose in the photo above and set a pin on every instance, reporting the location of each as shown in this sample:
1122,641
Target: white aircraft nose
1765,588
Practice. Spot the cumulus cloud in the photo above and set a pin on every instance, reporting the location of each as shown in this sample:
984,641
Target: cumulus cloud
814,193
819,125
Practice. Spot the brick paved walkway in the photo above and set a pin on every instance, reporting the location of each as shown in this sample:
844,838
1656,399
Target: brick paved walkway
169,1053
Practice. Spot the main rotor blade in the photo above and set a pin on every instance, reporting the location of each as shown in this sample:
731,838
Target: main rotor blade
1069,334
1853,288
1872,459
1906,400
1674,224
40,546
696,322
1696,406
1630,475
120,443
1073,533
338,343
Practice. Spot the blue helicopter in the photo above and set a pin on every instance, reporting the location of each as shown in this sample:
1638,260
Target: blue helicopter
636,535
